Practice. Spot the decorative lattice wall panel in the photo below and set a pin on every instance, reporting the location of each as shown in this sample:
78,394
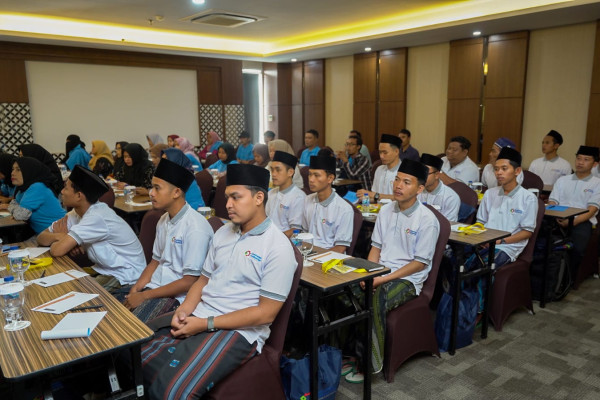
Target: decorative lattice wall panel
211,119
15,125
234,123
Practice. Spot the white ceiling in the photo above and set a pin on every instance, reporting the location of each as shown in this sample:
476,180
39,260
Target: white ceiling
302,29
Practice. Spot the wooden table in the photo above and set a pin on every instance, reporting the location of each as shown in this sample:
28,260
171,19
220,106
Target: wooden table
128,208
488,237
10,222
319,284
552,215
24,355
346,182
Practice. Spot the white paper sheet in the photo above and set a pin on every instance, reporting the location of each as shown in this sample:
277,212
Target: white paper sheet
136,204
75,325
61,277
454,227
35,252
5,214
65,302
328,255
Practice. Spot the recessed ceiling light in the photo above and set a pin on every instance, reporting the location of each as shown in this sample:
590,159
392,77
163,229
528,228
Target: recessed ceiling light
476,33
294,59
198,1
367,49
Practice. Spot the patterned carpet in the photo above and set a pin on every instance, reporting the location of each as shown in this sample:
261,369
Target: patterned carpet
554,354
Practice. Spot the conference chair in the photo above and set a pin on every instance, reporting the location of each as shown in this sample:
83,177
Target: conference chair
410,327
374,155
108,198
205,183
260,377
374,167
299,152
211,158
304,174
215,223
468,202
532,181
589,263
148,231
511,287
219,201
357,220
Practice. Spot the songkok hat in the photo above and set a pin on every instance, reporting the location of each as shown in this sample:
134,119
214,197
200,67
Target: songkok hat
508,153
557,136
174,173
90,184
248,175
504,142
414,168
285,158
588,151
391,139
432,161
322,162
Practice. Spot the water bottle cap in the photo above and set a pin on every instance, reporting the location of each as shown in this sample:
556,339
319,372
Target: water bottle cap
9,278
296,230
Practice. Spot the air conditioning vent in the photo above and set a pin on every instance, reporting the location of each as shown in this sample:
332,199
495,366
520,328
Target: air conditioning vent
221,18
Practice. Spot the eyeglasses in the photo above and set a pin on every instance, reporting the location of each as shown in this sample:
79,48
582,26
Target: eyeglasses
350,144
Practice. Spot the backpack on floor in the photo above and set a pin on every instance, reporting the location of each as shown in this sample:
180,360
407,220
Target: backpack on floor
558,271
467,313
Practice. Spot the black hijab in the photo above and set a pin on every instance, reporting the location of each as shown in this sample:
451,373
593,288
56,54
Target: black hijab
135,174
6,165
230,151
36,151
72,142
34,171
119,160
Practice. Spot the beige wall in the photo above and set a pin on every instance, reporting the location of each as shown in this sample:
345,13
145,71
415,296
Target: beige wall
427,96
339,100
559,74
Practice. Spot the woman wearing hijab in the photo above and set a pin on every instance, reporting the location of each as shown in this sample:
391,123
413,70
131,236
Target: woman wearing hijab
100,150
261,155
226,154
36,151
75,153
187,148
171,140
156,153
154,138
7,189
193,195
282,145
119,146
213,142
137,169
34,202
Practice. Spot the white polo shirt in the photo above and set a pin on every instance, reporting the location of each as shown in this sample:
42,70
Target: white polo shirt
444,197
383,180
180,247
579,193
596,171
241,268
404,236
109,242
488,177
513,212
550,170
464,171
330,221
285,207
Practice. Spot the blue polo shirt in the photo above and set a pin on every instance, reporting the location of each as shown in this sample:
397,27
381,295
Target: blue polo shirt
44,206
306,154
78,156
245,152
194,196
221,166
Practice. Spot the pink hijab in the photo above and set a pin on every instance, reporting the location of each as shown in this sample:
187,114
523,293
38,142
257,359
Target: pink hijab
185,146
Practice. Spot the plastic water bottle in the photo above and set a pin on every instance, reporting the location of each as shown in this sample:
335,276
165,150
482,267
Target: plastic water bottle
470,184
366,203
297,242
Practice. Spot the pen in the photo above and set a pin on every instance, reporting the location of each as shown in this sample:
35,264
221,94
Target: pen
87,307
9,248
43,274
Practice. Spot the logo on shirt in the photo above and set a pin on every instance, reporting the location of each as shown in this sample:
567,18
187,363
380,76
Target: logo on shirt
324,221
250,254
176,241
284,207
410,231
588,191
515,211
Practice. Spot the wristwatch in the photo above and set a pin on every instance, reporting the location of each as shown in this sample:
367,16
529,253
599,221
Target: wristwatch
502,241
376,197
210,324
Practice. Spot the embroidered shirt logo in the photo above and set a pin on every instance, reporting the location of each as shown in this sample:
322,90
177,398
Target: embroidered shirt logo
588,191
516,211
410,231
284,207
176,241
324,221
250,254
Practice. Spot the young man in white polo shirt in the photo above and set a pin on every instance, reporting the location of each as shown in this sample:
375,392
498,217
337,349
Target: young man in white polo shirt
550,167
94,228
580,190
389,153
183,237
225,317
457,164
404,240
326,215
488,175
436,193
286,201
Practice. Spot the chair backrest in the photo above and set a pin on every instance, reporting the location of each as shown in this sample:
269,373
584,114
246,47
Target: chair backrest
148,231
108,198
205,183
215,223
219,201
527,253
279,325
429,285
211,158
358,220
304,174
299,152
374,155
467,196
374,167
532,181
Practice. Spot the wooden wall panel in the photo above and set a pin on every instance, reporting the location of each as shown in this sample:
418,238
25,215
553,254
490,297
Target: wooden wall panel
392,76
502,118
13,81
297,141
297,89
365,77
465,68
314,97
314,118
463,120
392,117
593,123
363,116
209,79
507,65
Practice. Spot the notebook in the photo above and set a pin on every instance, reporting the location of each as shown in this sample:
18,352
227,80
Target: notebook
367,265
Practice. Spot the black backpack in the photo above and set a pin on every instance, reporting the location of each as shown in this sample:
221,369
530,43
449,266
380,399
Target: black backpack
558,278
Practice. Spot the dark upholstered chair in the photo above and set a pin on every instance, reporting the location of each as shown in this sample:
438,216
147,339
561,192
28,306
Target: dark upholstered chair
148,231
374,166
410,326
299,152
467,197
205,183
211,158
108,198
358,220
260,377
215,223
532,181
374,155
512,286
219,202
304,174
589,263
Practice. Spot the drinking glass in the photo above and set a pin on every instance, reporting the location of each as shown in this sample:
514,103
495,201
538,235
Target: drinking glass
129,192
206,212
306,247
478,187
12,299
19,262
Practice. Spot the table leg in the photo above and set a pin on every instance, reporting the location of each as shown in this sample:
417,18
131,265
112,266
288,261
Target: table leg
313,313
545,264
487,296
136,364
369,339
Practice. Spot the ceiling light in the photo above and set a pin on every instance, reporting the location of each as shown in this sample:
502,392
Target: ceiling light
198,1
476,33
294,59
367,49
